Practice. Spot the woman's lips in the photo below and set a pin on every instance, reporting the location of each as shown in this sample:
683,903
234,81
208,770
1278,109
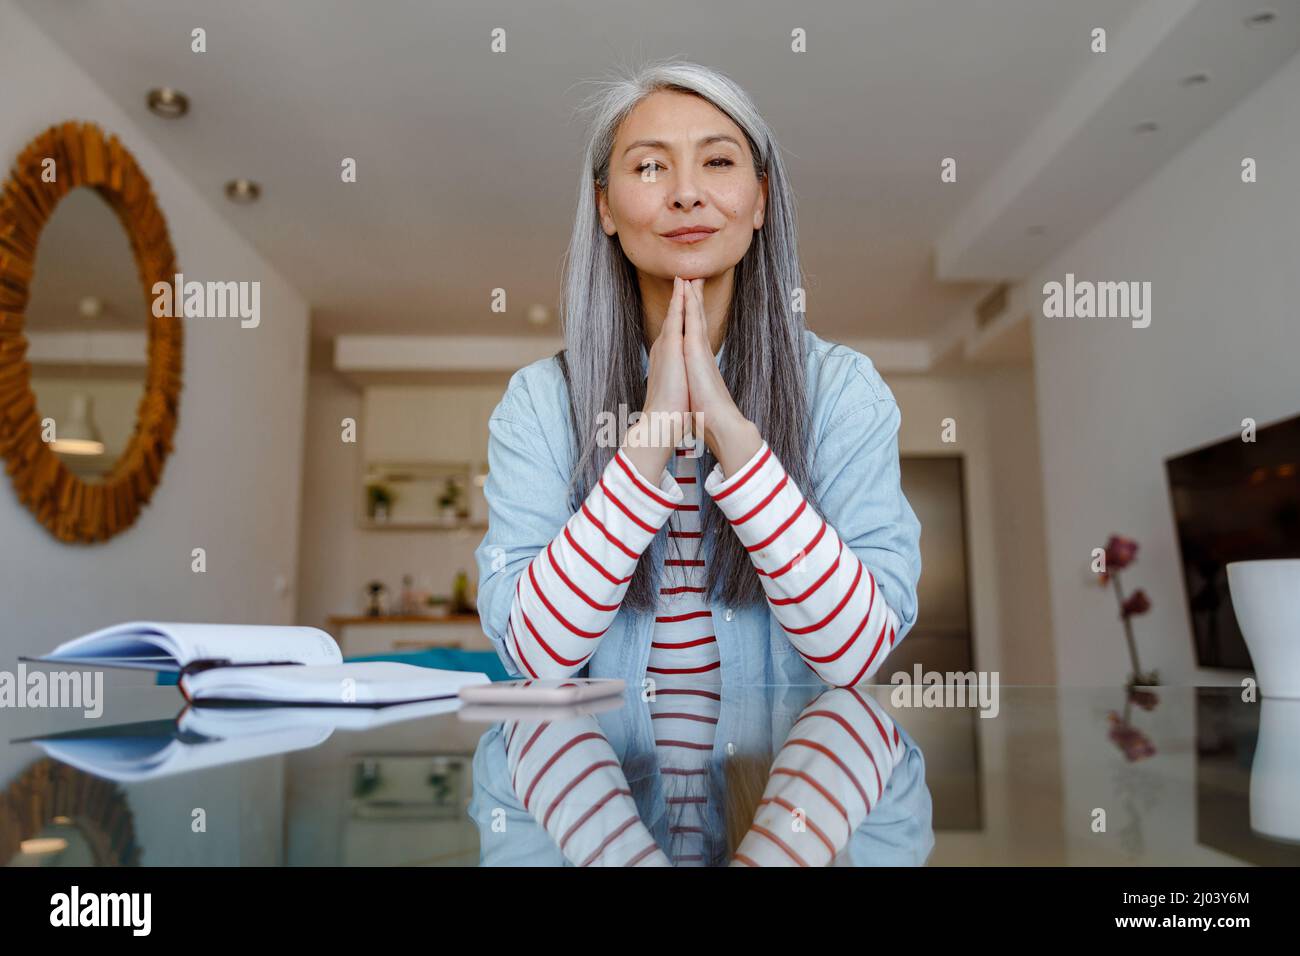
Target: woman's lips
686,238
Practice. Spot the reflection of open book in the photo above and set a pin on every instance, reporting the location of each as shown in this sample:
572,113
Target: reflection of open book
169,647
203,737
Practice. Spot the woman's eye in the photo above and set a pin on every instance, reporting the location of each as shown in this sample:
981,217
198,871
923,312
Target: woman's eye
720,162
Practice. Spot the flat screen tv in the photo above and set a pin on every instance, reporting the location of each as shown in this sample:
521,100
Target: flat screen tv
1234,500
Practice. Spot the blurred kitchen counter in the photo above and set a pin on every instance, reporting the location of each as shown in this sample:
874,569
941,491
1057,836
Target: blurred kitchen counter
360,635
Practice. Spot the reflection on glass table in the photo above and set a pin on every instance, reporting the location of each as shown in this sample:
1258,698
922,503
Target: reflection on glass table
1181,775
703,777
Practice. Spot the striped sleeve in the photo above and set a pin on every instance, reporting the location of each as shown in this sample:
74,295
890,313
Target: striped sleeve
570,592
826,600
568,778
829,774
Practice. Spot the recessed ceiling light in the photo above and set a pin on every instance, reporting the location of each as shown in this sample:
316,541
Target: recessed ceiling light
1150,126
243,191
538,314
1194,79
1261,19
90,307
167,102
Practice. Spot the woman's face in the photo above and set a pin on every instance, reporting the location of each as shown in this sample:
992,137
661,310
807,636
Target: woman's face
679,162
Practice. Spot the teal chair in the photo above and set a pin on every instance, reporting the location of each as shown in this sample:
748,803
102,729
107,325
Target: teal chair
447,659
443,658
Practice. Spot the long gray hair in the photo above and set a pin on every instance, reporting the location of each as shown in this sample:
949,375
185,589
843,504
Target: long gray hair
600,306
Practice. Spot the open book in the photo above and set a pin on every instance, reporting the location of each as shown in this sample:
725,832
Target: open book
260,664
360,684
148,645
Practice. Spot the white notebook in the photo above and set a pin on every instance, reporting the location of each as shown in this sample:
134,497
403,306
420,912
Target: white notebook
267,664
150,645
360,684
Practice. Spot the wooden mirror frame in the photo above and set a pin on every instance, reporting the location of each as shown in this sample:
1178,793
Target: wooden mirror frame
49,792
72,509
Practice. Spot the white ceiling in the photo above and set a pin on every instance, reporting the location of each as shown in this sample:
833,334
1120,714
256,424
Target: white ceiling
468,161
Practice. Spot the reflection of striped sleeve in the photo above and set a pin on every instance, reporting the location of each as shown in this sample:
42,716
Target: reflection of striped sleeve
825,599
570,593
685,718
568,778
830,772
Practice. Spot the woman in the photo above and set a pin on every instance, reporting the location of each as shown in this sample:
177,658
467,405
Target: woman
748,527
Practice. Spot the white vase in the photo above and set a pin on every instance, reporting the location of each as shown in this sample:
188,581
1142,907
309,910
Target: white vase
1266,599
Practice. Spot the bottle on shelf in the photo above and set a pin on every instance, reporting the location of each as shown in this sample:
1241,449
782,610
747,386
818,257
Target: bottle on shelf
460,593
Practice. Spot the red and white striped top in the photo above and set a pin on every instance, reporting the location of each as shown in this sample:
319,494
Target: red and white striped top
831,771
825,599
683,642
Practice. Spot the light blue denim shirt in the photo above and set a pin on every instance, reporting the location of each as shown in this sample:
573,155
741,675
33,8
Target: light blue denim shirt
855,472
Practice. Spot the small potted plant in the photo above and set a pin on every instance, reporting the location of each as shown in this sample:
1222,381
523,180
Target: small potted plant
436,606
1120,553
449,502
379,502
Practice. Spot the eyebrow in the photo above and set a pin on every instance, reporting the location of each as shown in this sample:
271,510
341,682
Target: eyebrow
703,141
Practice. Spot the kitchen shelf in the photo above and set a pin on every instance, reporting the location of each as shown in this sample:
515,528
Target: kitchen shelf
416,486
345,620
422,526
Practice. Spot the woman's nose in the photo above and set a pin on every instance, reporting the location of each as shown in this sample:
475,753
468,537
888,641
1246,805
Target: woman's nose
684,193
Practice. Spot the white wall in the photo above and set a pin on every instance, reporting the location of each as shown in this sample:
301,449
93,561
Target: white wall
232,484
1019,538
1115,401
996,435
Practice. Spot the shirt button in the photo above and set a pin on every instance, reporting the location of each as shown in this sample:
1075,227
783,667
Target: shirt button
730,614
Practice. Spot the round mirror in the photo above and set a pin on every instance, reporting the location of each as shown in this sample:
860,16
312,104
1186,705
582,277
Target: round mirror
90,377
87,338
56,815
61,843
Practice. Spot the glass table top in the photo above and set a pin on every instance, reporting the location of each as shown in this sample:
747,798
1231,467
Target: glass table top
697,775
